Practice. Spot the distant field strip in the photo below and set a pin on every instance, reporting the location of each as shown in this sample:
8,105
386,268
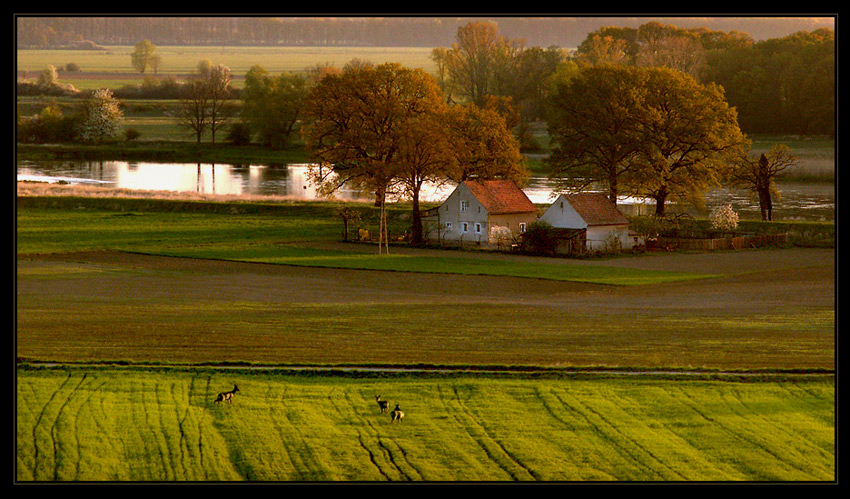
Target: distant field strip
559,270
136,425
184,59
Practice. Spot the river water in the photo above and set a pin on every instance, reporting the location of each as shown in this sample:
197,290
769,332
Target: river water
798,201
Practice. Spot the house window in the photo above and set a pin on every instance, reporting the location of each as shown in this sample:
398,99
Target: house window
465,227
478,228
464,206
522,227
448,226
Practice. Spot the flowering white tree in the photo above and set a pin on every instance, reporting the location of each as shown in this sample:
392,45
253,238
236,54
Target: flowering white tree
501,235
724,218
101,117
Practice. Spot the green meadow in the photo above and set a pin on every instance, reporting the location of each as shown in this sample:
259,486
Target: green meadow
276,236
125,424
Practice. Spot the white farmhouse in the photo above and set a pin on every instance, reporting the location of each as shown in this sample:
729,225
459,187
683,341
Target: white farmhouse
607,229
482,212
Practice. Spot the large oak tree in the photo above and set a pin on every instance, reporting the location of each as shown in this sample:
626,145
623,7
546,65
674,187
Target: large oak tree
388,128
358,119
690,139
651,132
592,128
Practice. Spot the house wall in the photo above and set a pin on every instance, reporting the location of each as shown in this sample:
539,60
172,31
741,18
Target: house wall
562,214
598,237
512,221
475,216
452,212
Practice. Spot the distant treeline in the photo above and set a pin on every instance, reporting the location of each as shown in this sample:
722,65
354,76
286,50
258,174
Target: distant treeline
566,32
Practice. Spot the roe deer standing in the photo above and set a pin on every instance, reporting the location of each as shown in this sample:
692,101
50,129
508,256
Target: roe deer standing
382,404
397,414
228,396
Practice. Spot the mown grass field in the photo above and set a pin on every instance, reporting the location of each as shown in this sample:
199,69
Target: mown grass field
135,425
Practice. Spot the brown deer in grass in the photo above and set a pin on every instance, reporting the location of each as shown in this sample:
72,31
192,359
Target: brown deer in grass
382,404
397,414
227,396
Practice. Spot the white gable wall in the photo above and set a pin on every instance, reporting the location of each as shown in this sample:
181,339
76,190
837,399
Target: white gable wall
599,237
562,215
609,238
452,212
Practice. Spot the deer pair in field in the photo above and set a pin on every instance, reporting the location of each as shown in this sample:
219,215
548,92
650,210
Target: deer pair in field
227,396
396,414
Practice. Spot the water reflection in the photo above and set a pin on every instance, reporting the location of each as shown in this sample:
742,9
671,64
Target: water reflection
798,201
207,178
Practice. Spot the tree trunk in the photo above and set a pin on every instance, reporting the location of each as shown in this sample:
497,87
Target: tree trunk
383,231
416,237
660,196
613,188
765,204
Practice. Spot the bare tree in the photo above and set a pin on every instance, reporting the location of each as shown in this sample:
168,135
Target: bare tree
218,90
194,108
203,101
758,176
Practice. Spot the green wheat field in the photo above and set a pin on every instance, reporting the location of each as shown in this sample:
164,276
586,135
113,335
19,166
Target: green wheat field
132,424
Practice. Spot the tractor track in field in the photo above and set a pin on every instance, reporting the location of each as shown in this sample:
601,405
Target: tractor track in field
401,370
484,437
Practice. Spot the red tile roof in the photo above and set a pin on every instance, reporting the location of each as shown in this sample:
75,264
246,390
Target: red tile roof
596,209
500,197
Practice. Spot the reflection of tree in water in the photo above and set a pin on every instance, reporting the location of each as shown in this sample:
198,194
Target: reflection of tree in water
199,184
